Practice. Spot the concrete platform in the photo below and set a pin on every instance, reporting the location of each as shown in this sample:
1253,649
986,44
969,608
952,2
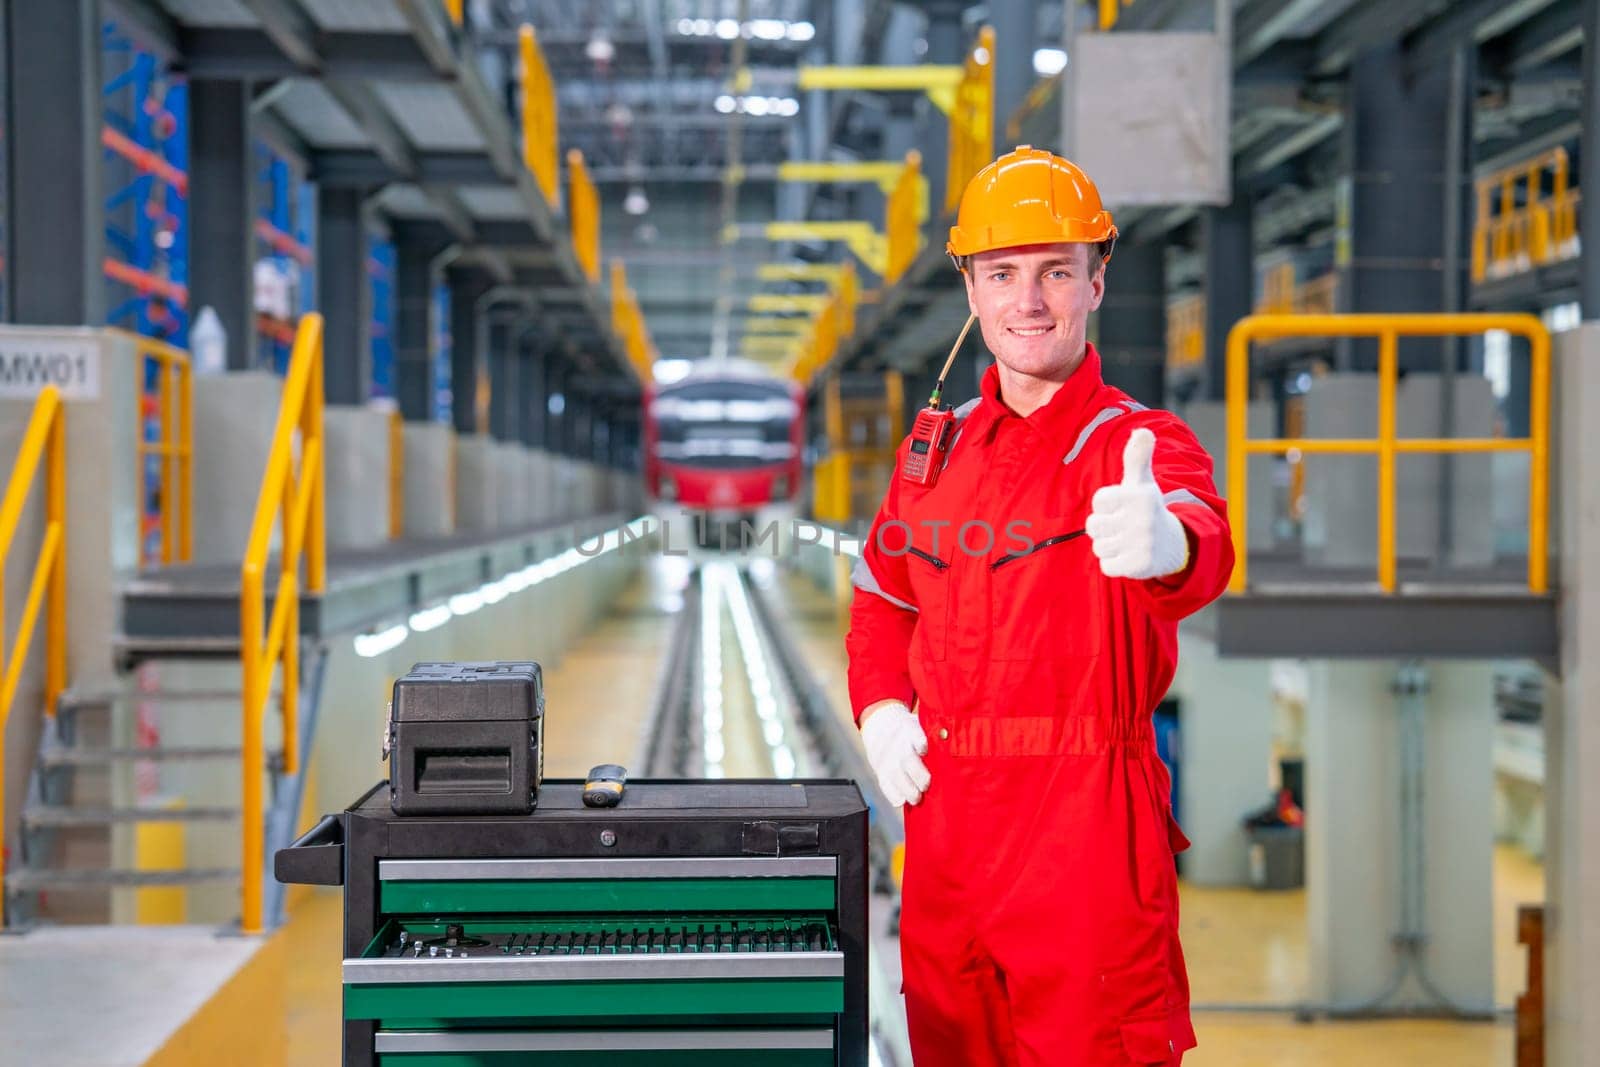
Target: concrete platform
127,996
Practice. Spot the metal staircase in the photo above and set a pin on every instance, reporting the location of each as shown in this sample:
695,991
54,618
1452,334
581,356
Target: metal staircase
66,867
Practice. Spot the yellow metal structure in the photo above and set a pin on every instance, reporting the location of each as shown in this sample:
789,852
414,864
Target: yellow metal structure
938,82
869,246
907,210
863,433
44,439
1526,225
776,326
1282,295
971,120
291,494
628,323
174,444
1110,10
799,272
884,174
540,134
1186,332
787,302
397,475
584,206
1386,446
455,8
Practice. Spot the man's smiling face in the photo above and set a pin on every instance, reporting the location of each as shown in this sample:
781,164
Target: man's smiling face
1033,303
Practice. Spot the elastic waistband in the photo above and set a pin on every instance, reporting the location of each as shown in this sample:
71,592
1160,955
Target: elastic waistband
1034,735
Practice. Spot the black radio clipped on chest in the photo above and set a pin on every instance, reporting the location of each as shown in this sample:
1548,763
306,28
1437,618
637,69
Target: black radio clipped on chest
466,738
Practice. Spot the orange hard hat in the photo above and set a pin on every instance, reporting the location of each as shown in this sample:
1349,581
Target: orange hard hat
1029,196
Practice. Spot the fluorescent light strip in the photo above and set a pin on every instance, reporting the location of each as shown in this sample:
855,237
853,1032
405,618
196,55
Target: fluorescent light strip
762,691
711,718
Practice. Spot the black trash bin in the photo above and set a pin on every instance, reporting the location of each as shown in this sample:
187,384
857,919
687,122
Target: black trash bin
1277,857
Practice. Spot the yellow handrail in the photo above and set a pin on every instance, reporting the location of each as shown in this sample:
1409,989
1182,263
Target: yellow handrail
1388,329
1515,232
1186,332
294,495
971,120
1109,11
628,323
397,475
907,209
44,437
175,447
539,129
584,207
455,10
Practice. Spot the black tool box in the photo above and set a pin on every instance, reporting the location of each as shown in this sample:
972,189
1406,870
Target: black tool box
467,738
709,923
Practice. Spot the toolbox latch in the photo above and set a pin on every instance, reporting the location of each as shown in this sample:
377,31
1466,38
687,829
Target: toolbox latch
774,839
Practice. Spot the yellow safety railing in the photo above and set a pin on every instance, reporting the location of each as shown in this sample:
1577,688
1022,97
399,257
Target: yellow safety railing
628,323
291,493
862,435
1186,332
1282,295
456,10
971,120
1526,225
540,134
175,446
1386,446
834,321
397,475
907,210
584,207
1110,11
45,438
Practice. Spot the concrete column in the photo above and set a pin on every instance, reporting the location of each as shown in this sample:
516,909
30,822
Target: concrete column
222,212
413,347
1589,164
502,327
54,191
1396,151
555,390
1016,35
1229,241
1572,731
1354,855
344,296
531,389
1133,323
465,348
1225,730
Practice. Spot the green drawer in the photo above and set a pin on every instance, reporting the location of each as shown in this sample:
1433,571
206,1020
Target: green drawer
720,1047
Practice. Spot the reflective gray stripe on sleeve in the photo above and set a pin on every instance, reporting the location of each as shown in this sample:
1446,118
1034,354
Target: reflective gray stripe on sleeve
1134,405
862,578
1181,496
1105,415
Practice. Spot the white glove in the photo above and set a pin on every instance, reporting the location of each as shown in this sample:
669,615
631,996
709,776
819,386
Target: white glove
1133,533
895,744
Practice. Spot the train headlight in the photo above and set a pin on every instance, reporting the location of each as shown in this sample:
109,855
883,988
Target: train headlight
780,487
667,487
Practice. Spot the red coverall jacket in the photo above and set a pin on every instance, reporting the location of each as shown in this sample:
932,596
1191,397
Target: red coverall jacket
1039,921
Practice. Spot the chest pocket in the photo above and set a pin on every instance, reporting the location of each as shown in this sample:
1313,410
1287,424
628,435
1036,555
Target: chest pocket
1045,599
929,557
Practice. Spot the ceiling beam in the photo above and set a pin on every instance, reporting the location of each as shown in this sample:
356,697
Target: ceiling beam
290,28
360,167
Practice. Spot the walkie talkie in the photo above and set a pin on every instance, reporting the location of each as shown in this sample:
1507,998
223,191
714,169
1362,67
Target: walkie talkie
933,429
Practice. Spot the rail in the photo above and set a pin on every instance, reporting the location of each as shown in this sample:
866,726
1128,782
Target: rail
583,205
1386,446
174,446
1110,11
292,494
906,212
971,120
45,438
1186,332
540,132
627,321
1525,226
397,475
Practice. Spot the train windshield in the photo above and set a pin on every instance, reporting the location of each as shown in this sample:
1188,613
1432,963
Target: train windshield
725,425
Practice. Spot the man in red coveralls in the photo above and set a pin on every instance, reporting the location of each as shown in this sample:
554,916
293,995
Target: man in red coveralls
1027,606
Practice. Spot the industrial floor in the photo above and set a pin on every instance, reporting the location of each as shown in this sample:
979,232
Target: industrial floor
1243,947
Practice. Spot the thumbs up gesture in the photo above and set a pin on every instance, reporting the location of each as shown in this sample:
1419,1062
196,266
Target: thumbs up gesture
1133,533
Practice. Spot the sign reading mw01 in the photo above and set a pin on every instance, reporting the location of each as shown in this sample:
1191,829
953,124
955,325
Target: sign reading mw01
28,364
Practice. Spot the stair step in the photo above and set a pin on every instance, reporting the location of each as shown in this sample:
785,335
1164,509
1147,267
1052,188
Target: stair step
30,879
93,757
51,815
